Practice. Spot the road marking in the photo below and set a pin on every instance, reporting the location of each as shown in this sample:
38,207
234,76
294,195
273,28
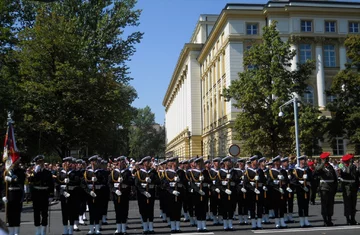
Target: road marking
209,233
26,223
294,230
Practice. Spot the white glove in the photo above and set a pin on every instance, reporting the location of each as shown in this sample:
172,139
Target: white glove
93,194
8,178
301,181
242,177
305,176
66,180
306,189
243,190
281,191
256,178
202,193
37,168
176,193
228,176
51,199
176,179
289,176
276,182
148,195
201,178
148,180
66,194
118,192
280,177
265,188
228,191
93,179
5,200
120,179
289,189
217,190
257,191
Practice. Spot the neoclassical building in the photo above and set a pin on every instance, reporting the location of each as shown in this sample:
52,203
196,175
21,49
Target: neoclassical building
198,118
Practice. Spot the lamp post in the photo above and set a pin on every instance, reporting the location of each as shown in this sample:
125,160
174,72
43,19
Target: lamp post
294,101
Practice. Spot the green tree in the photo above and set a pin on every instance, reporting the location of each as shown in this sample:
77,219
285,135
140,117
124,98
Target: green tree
346,107
259,92
73,75
144,138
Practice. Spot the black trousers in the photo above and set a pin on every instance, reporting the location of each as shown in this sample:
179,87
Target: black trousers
350,199
227,205
95,209
214,203
303,203
201,204
41,207
121,208
69,209
255,206
105,196
290,201
190,204
175,207
14,213
279,202
146,207
327,202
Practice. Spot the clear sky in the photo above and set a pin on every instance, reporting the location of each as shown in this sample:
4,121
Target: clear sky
168,25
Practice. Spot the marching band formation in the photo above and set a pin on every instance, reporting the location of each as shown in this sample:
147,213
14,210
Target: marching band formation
194,189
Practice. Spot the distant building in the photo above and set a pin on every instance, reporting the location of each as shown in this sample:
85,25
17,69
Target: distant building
198,119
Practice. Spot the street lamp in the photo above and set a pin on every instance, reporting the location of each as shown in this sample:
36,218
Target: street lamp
294,101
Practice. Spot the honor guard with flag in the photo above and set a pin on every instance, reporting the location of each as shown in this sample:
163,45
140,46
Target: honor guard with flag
173,181
145,181
301,179
241,196
254,182
42,193
226,183
349,179
71,185
95,182
200,188
14,177
120,182
328,187
215,197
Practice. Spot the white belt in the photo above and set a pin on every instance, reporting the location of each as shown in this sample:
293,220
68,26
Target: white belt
99,186
203,185
260,184
90,186
144,185
41,187
172,184
13,188
224,182
63,186
326,181
252,183
348,181
71,187
116,185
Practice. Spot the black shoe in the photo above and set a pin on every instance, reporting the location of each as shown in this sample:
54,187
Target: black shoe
173,231
118,234
105,223
145,232
178,231
152,232
204,230
230,229
354,222
77,230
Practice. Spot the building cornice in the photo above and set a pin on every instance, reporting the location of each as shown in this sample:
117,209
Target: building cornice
188,47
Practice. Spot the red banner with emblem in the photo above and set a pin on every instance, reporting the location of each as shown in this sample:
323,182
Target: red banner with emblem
11,153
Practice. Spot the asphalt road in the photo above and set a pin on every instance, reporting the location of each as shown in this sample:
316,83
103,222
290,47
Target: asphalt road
315,219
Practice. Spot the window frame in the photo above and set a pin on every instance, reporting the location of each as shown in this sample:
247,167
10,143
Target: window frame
306,50
304,96
358,26
325,56
311,25
252,23
337,149
335,26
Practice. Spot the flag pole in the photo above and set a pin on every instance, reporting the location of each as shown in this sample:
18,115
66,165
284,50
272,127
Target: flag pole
9,121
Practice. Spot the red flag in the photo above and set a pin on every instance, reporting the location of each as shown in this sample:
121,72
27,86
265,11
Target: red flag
11,153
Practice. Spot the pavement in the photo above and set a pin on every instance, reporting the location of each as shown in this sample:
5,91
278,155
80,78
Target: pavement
134,223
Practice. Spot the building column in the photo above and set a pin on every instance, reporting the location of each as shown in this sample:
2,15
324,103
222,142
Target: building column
342,55
320,77
295,60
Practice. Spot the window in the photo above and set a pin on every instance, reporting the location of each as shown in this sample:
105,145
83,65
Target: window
251,29
330,98
330,26
305,53
353,27
308,96
329,56
339,146
306,26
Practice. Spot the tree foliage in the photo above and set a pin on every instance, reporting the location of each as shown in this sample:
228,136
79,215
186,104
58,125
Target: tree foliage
346,107
145,138
72,87
259,92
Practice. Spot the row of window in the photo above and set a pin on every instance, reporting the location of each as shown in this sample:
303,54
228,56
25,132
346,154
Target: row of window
308,96
307,26
305,53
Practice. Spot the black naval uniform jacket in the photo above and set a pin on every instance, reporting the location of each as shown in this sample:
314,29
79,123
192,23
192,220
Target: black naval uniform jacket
124,186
